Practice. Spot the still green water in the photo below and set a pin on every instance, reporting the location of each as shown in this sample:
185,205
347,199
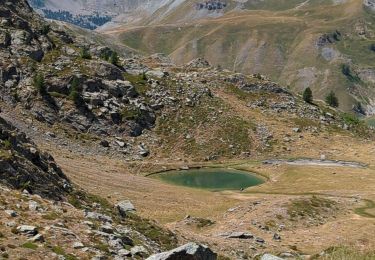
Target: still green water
211,178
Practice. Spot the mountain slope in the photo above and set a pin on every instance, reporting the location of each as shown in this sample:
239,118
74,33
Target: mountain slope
298,43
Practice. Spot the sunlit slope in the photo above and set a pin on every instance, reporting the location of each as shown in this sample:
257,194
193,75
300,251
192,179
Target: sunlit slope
286,41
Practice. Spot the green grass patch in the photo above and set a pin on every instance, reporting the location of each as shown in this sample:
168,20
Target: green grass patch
165,238
344,253
58,250
30,245
310,207
362,211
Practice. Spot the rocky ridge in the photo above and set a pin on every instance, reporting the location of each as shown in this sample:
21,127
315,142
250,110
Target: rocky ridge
24,166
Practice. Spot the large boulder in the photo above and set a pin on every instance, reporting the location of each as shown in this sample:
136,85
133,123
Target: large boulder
125,207
107,71
190,251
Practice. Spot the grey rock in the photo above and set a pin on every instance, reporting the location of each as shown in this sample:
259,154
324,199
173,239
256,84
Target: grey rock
156,73
187,251
98,216
107,228
124,252
116,243
276,237
120,143
124,207
33,205
28,230
296,130
270,257
11,224
138,251
241,235
11,213
37,238
78,245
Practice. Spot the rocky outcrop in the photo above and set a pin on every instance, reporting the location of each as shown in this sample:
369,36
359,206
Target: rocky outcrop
197,63
23,166
190,251
369,4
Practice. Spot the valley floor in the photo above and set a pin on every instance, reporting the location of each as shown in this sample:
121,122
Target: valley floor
263,211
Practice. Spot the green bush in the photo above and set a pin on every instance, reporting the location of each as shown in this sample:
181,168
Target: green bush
144,76
39,84
350,75
307,95
332,100
45,29
75,92
7,144
350,119
85,53
114,59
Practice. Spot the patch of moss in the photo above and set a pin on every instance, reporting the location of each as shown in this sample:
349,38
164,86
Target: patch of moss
30,245
58,250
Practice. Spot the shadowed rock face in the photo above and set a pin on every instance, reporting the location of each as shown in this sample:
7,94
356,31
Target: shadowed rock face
23,166
190,251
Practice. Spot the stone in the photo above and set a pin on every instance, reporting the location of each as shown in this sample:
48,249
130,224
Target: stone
156,73
116,243
11,213
287,255
37,238
98,216
276,237
50,134
78,245
296,130
138,250
120,143
107,228
240,235
144,153
187,251
270,257
124,207
88,223
123,253
104,143
33,205
11,224
28,230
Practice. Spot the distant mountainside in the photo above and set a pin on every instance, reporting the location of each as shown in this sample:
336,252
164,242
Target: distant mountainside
323,44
